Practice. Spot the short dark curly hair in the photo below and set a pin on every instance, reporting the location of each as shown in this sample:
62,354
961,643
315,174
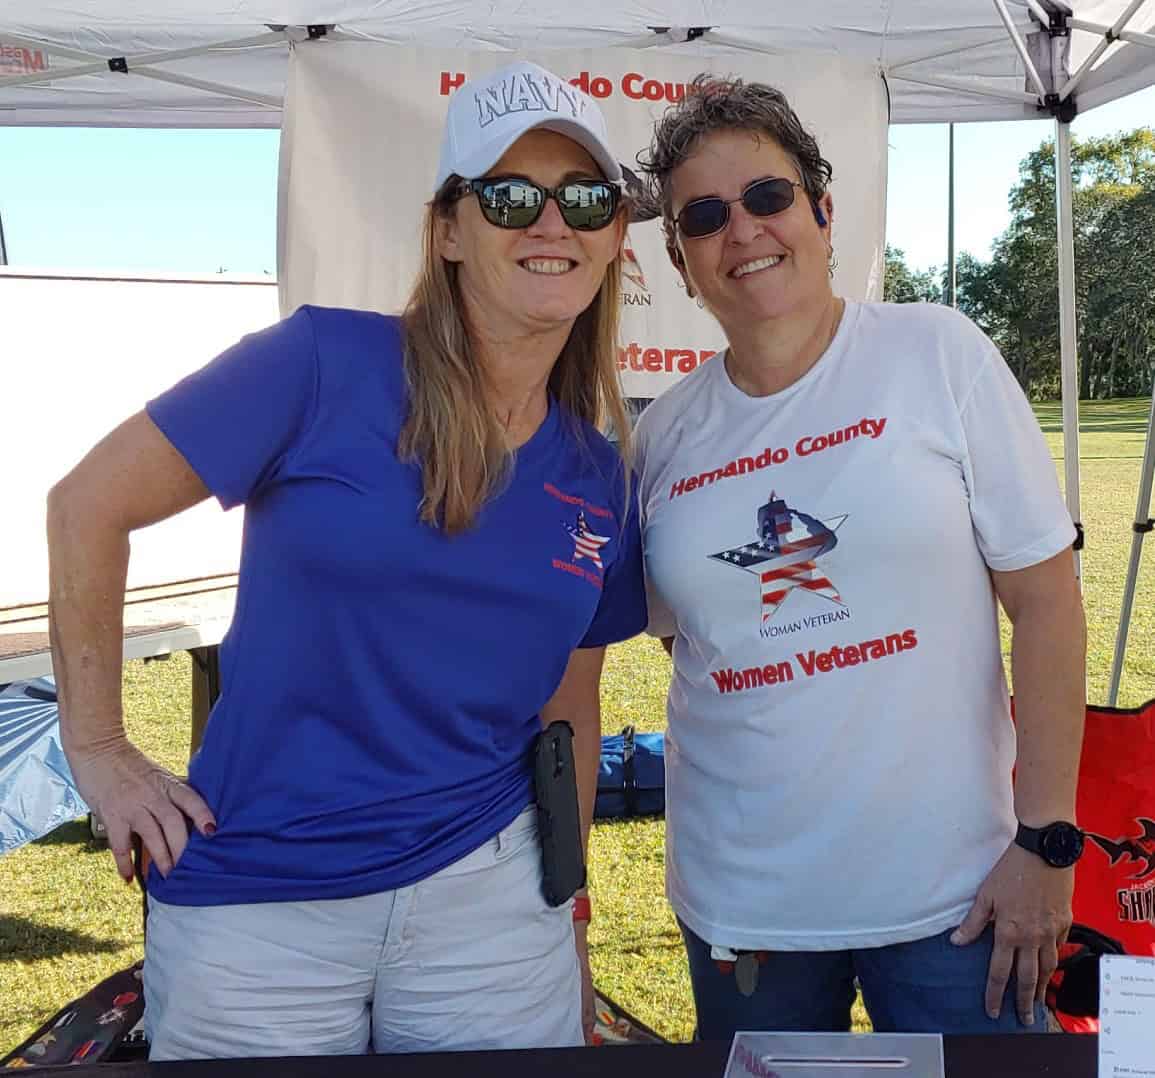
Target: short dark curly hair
728,104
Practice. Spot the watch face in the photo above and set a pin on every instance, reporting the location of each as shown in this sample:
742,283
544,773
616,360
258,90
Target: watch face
1062,845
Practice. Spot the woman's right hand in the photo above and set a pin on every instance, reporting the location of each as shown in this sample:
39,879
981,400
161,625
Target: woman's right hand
132,478
133,795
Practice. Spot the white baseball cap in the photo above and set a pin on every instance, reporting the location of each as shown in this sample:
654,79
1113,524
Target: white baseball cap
489,114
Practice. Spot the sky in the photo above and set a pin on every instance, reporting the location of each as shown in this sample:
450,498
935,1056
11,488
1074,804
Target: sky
987,157
148,201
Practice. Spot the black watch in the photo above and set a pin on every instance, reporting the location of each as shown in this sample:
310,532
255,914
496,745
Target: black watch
1060,844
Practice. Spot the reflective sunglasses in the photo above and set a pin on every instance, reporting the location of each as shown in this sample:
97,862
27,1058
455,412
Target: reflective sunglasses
762,198
515,202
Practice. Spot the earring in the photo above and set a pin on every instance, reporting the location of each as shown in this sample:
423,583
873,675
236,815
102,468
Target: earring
831,261
698,301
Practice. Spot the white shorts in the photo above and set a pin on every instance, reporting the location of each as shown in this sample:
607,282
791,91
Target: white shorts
470,958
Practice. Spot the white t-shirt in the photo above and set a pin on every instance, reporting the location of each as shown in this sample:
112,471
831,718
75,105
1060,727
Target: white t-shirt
839,748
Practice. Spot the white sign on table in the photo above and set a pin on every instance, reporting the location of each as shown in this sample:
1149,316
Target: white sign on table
1126,1017
835,1055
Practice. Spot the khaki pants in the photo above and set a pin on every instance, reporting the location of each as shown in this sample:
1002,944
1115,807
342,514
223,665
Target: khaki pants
471,958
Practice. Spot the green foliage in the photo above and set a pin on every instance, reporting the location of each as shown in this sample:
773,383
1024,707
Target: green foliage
1015,295
901,284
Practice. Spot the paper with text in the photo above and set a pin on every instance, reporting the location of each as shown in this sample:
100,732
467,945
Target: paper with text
1126,1017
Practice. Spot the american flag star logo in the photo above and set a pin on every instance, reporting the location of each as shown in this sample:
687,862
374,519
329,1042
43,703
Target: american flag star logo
785,554
585,543
632,268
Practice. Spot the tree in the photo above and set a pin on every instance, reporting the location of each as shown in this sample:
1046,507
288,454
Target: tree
901,284
1014,297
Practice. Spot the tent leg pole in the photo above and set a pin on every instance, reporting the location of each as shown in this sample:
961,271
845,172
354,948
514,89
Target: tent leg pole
206,687
1140,528
1067,329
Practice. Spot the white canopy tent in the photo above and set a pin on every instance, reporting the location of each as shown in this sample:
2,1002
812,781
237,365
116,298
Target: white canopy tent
205,63
212,63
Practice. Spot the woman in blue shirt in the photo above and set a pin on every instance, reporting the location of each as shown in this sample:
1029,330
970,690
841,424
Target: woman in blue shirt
438,546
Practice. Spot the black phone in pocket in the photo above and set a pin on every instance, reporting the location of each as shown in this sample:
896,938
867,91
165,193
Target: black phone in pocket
558,820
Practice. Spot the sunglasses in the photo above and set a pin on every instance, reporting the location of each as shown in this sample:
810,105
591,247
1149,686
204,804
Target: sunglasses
515,202
762,198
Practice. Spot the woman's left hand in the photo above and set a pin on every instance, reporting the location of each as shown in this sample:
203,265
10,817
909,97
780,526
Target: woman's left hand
1030,905
580,932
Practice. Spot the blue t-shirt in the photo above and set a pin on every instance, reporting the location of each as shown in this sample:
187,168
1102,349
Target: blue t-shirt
381,681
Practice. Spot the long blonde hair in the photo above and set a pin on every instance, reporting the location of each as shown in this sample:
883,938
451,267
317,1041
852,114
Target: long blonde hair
451,429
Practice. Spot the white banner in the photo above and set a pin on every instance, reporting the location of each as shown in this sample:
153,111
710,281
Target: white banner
359,151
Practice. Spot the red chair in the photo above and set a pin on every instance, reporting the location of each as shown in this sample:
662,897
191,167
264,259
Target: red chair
1114,904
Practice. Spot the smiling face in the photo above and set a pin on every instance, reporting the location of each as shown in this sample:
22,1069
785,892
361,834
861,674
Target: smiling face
757,268
533,279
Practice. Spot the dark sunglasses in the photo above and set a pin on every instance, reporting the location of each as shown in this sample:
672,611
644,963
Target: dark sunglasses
515,202
762,198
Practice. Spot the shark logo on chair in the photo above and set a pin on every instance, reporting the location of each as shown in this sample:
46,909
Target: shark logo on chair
1132,850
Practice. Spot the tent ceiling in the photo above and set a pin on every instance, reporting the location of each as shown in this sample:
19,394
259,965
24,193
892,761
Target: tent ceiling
944,59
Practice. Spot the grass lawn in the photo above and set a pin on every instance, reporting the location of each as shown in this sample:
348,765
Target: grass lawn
66,920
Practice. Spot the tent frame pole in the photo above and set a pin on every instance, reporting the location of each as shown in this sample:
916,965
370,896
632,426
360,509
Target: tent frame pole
963,86
1131,37
948,52
99,65
1020,47
1068,333
141,65
1109,38
216,88
1142,525
1040,13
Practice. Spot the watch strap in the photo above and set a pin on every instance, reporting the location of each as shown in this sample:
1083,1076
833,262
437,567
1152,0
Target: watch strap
1034,840
1030,838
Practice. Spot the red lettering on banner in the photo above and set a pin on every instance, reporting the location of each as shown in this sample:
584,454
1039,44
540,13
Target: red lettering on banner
638,88
635,357
596,87
635,86
17,60
450,82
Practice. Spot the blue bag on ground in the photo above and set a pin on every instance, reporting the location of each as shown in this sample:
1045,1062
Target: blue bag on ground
37,791
632,776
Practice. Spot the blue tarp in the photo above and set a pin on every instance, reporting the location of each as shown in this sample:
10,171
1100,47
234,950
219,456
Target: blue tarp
37,793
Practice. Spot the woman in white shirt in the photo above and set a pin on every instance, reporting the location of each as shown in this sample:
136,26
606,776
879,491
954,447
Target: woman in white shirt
833,509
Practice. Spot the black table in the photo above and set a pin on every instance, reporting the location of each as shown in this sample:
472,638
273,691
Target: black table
1029,1056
